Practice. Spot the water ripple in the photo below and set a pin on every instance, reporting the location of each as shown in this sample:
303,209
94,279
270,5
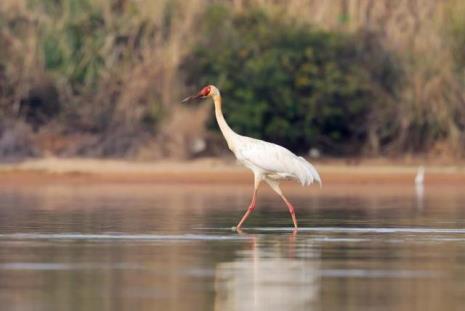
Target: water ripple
350,230
118,236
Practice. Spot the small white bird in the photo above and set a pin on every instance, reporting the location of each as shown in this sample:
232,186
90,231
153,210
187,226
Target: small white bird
420,176
269,162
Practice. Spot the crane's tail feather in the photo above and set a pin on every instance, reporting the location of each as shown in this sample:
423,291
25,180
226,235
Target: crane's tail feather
311,173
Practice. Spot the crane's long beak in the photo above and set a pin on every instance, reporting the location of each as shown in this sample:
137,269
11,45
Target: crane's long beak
193,97
188,99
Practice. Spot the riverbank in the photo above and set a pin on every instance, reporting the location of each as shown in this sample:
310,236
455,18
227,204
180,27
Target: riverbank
213,171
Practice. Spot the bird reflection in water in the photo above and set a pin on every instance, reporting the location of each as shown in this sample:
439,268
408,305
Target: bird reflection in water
277,274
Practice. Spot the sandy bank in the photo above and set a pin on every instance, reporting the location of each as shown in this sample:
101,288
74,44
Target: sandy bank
208,171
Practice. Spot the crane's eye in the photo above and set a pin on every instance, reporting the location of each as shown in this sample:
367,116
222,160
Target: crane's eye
205,91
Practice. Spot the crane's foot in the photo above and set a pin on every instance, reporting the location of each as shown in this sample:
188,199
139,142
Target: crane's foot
291,211
237,229
294,220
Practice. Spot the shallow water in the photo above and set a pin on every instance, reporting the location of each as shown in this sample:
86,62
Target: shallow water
152,247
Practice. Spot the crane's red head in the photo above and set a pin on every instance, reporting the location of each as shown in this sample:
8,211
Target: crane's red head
204,92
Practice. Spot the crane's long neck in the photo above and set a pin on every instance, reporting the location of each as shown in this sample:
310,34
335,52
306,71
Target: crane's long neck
228,133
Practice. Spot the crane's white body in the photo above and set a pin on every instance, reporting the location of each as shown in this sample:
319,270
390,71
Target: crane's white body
274,162
268,161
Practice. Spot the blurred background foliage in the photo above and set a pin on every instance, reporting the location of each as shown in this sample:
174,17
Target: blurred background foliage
351,78
290,83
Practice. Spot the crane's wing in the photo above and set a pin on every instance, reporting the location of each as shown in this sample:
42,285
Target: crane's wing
276,159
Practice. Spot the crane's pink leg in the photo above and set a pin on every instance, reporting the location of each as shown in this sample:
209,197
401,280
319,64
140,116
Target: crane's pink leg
249,210
291,210
275,186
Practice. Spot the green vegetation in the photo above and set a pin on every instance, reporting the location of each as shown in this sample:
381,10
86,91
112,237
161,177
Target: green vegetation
104,78
291,84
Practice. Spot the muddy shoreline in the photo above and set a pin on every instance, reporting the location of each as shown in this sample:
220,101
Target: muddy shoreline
207,171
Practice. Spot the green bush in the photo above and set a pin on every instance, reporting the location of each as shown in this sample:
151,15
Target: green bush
289,83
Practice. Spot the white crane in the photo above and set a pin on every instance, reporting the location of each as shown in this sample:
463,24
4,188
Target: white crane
269,162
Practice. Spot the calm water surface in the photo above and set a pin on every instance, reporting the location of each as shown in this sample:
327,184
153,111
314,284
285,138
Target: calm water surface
152,247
